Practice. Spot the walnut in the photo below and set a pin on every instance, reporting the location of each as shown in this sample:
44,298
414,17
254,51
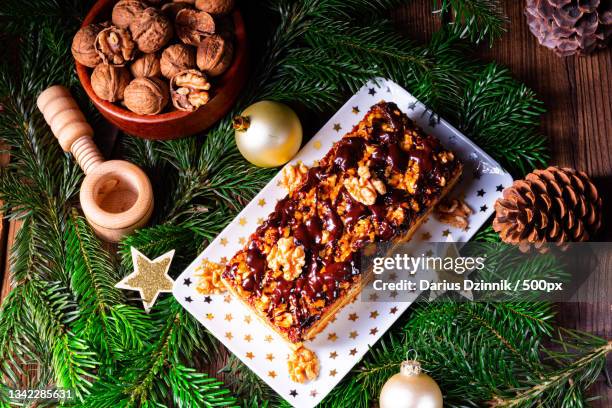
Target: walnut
364,187
454,212
209,278
215,6
293,175
286,258
215,55
83,45
115,46
109,82
146,66
303,365
176,58
189,90
151,30
193,26
171,9
125,11
146,96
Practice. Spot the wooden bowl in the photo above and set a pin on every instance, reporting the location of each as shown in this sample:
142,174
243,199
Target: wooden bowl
173,124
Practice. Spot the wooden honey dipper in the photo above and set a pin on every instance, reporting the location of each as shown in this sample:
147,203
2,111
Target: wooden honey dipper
116,196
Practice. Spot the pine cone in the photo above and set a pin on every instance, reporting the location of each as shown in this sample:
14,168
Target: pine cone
570,26
553,205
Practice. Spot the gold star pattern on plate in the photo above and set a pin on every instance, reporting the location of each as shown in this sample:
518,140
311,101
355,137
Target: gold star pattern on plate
353,352
229,317
353,317
353,335
446,233
332,373
373,331
210,316
247,319
333,355
270,356
248,338
374,314
223,260
272,374
337,127
250,355
355,110
268,339
229,335
426,236
373,297
223,241
332,337
260,220
242,221
261,202
317,145
227,298
150,277
242,240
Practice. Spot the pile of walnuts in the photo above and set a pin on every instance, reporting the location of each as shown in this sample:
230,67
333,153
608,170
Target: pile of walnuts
155,51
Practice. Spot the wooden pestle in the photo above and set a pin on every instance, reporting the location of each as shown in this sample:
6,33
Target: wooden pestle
116,196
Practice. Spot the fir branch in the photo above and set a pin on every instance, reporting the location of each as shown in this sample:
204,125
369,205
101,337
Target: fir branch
246,384
476,20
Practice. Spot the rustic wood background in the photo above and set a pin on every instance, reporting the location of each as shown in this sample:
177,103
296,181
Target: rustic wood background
577,92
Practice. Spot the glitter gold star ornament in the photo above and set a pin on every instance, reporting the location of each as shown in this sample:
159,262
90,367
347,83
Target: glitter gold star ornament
150,277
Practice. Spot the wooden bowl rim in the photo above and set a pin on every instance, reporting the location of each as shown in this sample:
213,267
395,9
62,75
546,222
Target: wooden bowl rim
84,72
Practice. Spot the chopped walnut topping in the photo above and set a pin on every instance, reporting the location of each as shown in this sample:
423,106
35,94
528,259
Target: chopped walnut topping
454,212
286,258
303,365
209,278
293,175
364,188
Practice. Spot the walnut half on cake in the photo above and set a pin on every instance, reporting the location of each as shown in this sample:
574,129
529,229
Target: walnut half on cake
378,183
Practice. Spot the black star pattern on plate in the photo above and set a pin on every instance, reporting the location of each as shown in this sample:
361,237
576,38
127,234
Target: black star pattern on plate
187,282
499,188
293,393
484,208
481,193
337,127
355,109
188,299
207,299
372,91
412,106
388,90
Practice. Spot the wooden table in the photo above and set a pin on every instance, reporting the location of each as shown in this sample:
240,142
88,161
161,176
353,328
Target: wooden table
577,92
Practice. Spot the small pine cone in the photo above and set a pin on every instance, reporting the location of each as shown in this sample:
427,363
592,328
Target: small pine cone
554,205
570,26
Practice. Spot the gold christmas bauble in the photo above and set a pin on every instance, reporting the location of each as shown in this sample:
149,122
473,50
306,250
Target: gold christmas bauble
268,134
410,388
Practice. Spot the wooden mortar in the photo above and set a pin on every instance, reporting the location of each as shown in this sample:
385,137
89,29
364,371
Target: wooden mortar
116,196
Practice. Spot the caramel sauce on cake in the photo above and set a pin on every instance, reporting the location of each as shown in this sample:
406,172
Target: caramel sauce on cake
373,185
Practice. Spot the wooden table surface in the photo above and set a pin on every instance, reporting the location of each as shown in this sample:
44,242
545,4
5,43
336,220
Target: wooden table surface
577,92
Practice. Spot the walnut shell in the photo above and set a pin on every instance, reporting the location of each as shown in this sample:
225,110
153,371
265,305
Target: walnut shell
171,9
125,11
115,46
189,90
217,7
215,55
146,96
146,66
109,82
151,30
193,26
83,45
176,58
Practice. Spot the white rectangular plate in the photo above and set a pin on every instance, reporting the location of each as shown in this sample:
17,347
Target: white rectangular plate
359,325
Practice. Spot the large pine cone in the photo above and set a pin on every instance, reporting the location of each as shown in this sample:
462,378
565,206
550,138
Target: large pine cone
553,205
570,26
